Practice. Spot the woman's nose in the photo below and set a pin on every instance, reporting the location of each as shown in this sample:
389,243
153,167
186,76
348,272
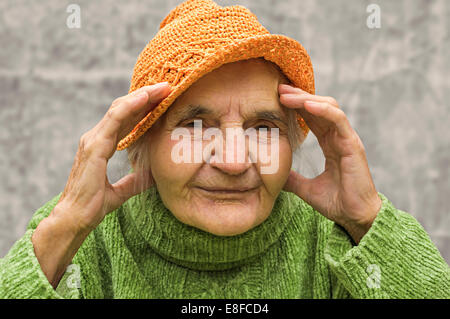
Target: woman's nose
235,158
232,168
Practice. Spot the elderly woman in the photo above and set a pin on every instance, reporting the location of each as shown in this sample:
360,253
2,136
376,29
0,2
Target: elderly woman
217,226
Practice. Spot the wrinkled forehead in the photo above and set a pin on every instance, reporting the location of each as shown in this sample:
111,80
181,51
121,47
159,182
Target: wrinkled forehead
245,71
252,85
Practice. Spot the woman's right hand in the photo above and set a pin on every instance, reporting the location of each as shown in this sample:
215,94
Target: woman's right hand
88,196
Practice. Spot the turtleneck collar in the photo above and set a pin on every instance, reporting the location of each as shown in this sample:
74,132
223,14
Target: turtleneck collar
196,249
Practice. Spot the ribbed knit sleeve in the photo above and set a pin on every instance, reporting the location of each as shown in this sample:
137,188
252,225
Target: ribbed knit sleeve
21,275
395,259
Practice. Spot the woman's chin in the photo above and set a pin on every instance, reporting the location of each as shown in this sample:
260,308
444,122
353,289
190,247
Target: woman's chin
224,224
228,218
223,217
222,213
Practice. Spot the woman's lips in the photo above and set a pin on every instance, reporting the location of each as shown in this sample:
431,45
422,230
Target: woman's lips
227,192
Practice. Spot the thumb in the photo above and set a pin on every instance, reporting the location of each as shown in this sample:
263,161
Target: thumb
298,185
129,186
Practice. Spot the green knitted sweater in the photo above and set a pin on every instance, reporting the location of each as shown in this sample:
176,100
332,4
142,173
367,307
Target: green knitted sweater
295,253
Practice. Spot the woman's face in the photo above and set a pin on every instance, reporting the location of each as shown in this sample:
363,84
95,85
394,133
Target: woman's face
231,197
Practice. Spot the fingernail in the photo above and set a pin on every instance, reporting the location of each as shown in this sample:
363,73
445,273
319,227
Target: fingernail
314,104
140,95
161,85
158,88
285,86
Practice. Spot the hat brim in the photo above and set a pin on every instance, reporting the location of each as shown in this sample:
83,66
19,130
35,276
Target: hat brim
285,52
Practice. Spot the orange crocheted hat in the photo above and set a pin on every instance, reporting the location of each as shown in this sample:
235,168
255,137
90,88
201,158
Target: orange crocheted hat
199,36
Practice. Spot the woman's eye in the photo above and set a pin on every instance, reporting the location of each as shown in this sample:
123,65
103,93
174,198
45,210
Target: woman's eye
188,123
262,126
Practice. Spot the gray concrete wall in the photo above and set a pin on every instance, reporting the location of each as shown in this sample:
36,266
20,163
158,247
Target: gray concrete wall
393,83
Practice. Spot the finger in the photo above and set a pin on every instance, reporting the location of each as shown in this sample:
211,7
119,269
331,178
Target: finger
296,101
151,90
297,98
122,116
332,115
299,185
304,96
324,110
127,111
285,89
129,186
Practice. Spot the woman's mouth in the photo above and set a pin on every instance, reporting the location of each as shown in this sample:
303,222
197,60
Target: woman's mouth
227,192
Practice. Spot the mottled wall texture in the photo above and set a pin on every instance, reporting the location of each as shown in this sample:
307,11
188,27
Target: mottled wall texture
393,83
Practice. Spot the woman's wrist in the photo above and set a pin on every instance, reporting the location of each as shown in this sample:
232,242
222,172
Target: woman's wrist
357,229
56,240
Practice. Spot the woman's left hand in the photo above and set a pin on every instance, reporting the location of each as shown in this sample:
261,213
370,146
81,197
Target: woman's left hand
344,192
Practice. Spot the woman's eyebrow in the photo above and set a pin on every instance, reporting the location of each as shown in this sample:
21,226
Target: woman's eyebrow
192,111
270,116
